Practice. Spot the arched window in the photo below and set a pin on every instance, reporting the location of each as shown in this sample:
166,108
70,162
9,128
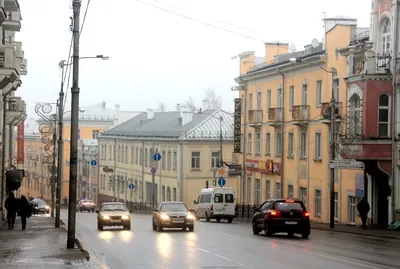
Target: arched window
146,158
355,116
383,116
386,36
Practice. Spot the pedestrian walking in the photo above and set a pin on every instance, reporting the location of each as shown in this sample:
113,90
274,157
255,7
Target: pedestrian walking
363,208
11,205
25,210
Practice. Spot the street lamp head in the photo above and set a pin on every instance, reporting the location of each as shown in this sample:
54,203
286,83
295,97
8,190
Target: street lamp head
105,58
82,110
62,63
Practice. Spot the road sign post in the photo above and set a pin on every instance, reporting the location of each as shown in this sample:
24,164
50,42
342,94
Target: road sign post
156,158
93,163
221,181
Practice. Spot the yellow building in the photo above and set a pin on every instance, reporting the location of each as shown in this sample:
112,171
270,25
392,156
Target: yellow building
189,145
285,124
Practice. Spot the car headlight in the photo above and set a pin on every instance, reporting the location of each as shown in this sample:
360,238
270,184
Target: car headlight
106,217
164,217
189,216
125,217
36,207
47,207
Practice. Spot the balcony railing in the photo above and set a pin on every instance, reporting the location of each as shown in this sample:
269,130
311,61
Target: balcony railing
301,113
382,62
326,110
255,117
275,115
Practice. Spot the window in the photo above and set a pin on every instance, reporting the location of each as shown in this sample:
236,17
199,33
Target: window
258,143
136,156
79,133
268,144
95,134
280,98
248,190
386,36
146,157
259,102
214,159
126,154
278,144
164,160
174,194
132,155
169,161
291,97
269,99
318,98
151,153
336,205
174,161
229,198
303,194
168,194
383,116
250,101
336,89
277,190
195,160
304,95
318,203
303,147
249,143
290,145
257,192
351,212
218,198
317,146
290,192
267,189
355,115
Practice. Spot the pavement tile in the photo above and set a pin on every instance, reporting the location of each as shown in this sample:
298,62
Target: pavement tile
39,246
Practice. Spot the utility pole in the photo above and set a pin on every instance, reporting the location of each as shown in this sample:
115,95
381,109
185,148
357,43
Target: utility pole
60,151
74,129
115,170
53,165
333,149
90,179
221,162
41,175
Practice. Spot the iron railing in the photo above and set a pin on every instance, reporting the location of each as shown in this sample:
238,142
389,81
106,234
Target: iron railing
275,114
301,113
255,116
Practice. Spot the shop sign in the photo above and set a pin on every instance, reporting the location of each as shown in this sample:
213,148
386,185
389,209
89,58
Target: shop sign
267,166
237,126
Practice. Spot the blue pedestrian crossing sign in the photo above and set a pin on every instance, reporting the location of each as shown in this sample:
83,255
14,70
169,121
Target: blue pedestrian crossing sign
221,181
131,186
157,157
93,163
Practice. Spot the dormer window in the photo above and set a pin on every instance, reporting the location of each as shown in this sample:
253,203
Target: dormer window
386,36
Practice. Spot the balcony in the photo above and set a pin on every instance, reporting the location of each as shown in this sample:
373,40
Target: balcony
13,22
11,5
326,112
8,58
301,115
3,14
255,118
275,116
15,110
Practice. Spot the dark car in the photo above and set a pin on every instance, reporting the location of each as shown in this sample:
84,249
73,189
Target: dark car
113,214
282,216
86,205
39,206
172,215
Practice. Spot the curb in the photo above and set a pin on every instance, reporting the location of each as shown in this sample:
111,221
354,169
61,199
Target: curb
77,242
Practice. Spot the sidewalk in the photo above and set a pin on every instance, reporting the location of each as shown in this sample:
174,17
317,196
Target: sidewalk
39,246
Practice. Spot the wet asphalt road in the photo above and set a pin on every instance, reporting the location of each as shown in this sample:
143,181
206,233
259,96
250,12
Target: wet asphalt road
223,245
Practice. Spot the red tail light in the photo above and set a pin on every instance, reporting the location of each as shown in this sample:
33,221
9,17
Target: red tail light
212,207
274,213
306,214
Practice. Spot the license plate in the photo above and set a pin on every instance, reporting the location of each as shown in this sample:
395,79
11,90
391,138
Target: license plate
178,221
291,222
115,221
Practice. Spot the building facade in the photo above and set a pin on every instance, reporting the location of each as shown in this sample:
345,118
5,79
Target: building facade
190,147
87,169
286,124
372,58
12,66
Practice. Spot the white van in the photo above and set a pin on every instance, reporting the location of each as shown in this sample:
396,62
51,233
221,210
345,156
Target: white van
216,203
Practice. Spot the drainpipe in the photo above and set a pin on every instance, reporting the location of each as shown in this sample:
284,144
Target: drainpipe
282,132
243,177
141,154
182,171
3,160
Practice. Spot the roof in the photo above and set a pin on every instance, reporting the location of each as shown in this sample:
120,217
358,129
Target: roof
165,125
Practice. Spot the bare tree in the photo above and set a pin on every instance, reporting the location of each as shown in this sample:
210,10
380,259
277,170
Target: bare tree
212,100
161,107
190,104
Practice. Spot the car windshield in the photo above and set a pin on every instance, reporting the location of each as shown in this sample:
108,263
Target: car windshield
173,207
287,206
39,202
114,207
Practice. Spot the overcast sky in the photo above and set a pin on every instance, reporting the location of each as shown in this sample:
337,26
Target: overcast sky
158,55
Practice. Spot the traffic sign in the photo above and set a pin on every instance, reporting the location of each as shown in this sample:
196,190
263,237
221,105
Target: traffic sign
157,157
131,186
153,170
221,171
346,164
93,162
221,181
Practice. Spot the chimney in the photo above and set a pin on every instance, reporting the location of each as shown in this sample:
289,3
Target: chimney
117,107
178,107
150,114
204,105
273,49
246,61
103,104
185,117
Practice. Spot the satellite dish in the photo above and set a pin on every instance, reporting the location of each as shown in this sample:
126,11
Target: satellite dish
315,43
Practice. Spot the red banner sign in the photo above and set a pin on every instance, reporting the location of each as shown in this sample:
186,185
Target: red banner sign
268,166
20,143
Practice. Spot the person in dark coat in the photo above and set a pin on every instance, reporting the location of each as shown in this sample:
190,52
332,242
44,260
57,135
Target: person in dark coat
11,205
25,210
363,208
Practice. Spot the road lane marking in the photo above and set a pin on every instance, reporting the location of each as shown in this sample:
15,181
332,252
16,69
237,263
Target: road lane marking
222,257
204,250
